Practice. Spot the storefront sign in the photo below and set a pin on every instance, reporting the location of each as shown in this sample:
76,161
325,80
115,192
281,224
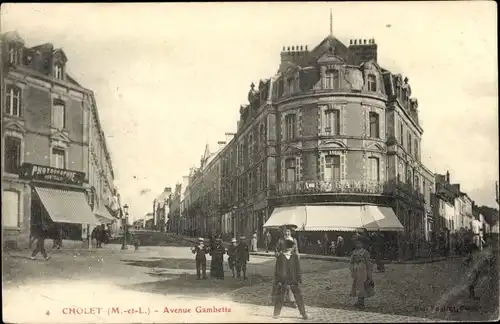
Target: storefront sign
45,173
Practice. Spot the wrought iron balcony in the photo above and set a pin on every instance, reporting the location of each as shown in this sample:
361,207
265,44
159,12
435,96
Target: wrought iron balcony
311,187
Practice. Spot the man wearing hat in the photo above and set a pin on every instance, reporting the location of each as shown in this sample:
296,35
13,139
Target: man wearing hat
287,272
243,258
201,259
232,253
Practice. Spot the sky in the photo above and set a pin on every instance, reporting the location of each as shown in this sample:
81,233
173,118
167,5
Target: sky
170,78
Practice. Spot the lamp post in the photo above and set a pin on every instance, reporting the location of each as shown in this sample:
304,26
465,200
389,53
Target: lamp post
125,227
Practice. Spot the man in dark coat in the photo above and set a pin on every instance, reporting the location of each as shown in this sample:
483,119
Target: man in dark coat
232,253
243,258
287,273
216,265
201,259
40,233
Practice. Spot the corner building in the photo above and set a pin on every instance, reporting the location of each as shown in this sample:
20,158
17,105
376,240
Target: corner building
57,168
330,135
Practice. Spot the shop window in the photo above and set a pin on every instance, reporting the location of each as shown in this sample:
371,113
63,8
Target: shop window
10,208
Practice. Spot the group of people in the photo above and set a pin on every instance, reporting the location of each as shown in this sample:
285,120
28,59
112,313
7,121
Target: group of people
238,256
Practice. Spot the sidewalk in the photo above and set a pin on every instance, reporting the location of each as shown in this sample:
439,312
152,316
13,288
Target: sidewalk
334,258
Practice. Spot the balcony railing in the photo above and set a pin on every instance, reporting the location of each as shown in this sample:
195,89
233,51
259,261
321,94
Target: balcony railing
368,187
338,186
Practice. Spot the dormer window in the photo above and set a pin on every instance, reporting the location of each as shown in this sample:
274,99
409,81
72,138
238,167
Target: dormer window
58,71
372,83
13,51
331,79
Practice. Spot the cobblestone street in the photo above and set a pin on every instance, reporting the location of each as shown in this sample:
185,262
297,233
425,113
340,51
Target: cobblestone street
161,276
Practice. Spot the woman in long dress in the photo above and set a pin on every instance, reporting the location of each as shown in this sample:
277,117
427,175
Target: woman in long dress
361,273
287,273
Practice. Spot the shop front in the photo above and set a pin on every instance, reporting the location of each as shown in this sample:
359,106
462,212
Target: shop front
59,203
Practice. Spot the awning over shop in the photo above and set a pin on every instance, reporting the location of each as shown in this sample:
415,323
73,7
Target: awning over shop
103,216
65,206
336,218
382,218
294,215
333,218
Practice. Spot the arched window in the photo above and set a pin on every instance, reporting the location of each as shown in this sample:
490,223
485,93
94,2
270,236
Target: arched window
371,82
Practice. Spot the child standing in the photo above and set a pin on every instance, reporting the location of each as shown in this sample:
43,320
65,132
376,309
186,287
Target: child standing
201,259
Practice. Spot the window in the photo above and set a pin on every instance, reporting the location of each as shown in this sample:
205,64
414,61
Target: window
10,208
332,168
240,154
250,183
250,146
58,71
59,159
13,54
332,122
290,170
372,83
13,101
262,134
401,134
417,183
374,125
290,127
409,143
262,177
290,85
281,87
58,114
332,79
12,154
416,148
374,168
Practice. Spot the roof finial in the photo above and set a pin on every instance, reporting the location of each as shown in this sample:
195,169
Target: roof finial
331,23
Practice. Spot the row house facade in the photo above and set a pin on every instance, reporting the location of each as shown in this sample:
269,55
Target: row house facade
331,127
53,147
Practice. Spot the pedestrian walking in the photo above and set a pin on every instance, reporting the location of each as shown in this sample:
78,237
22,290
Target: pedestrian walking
253,243
201,259
232,253
216,265
267,240
287,273
40,233
361,273
340,245
243,258
379,251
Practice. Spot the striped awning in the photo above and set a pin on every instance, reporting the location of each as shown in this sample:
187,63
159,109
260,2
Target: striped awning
66,206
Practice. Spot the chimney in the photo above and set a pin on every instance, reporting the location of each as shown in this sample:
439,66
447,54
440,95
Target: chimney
221,144
363,50
168,190
293,54
447,176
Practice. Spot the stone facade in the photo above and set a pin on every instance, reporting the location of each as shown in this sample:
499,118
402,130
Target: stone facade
48,119
331,119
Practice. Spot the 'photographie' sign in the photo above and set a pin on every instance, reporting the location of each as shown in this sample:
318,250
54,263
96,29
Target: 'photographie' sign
45,173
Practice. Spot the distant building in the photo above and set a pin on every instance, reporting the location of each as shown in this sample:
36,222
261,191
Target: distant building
161,207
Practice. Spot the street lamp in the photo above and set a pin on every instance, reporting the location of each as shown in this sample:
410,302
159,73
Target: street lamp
125,227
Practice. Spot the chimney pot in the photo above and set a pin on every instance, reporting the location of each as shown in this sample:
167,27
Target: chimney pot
301,48
306,47
360,42
350,42
283,48
364,41
354,41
